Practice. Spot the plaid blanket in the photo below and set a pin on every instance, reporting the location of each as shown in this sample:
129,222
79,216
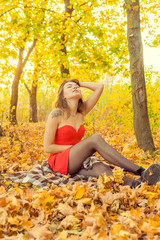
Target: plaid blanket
42,175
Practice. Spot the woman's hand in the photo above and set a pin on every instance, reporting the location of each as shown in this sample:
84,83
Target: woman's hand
97,89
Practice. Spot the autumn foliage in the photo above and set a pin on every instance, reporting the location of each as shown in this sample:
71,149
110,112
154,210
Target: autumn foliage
94,35
79,211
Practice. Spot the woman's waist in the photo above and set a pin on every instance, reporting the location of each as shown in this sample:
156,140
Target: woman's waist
69,142
66,150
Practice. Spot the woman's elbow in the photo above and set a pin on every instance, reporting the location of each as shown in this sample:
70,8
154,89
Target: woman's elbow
101,86
46,149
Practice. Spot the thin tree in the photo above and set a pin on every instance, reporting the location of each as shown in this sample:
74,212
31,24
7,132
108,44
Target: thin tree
139,96
33,115
14,93
65,65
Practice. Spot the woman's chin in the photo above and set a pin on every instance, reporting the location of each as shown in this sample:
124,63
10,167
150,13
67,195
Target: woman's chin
75,96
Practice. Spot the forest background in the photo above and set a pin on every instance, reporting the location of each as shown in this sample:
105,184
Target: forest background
96,50
43,42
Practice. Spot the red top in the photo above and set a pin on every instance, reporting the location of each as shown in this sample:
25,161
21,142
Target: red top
66,135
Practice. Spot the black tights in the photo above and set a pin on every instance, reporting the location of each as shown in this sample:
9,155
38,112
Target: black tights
95,143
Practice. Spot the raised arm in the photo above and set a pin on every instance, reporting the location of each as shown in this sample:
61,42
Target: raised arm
97,89
50,132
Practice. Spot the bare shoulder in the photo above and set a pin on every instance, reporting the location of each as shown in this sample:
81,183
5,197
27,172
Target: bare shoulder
56,113
52,123
54,119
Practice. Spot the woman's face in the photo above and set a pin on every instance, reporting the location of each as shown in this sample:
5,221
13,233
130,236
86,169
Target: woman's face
71,90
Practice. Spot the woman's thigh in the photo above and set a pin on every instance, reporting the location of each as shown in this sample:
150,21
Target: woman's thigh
96,170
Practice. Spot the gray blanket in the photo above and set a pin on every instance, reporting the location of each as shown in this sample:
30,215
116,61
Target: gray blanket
42,175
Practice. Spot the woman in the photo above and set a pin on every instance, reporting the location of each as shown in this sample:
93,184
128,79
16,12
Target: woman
65,129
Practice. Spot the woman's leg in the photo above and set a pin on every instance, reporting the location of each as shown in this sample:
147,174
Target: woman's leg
95,143
96,170
100,168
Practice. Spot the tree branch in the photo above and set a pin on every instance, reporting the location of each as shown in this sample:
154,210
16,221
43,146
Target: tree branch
43,9
84,11
29,51
21,51
27,88
78,20
84,4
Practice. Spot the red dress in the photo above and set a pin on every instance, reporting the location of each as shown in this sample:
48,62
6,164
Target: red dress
66,135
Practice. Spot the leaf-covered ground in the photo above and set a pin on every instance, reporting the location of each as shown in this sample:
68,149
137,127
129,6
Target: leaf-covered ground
110,211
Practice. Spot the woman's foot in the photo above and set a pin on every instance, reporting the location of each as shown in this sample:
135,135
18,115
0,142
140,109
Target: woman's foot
151,175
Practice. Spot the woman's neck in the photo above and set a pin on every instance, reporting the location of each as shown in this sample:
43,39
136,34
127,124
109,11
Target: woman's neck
73,105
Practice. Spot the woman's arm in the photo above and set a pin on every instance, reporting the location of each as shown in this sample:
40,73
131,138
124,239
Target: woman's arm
97,89
50,132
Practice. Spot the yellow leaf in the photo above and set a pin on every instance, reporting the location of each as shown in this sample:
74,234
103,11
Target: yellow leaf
86,200
25,221
2,190
70,222
65,209
80,190
41,232
3,216
124,234
13,220
63,234
100,184
135,214
3,201
116,228
102,235
53,227
106,178
118,174
155,221
126,149
115,206
100,221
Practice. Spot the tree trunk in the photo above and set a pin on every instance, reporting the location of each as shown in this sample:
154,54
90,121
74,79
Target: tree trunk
33,116
68,12
139,97
14,93
33,103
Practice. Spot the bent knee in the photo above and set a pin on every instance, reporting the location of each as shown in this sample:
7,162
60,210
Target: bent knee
96,137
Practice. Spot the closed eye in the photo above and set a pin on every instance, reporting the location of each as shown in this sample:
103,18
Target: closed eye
70,85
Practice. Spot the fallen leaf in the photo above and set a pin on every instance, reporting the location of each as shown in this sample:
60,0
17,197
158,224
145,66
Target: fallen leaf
3,216
80,190
70,222
41,232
